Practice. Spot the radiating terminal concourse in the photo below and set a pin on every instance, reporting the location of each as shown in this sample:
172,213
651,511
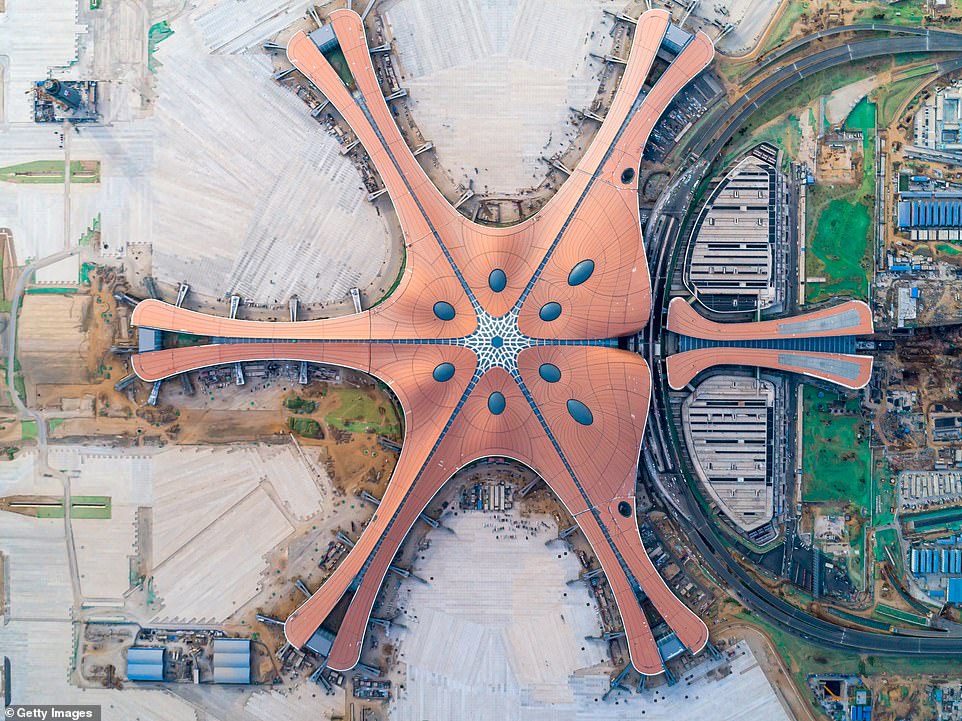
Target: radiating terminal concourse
499,341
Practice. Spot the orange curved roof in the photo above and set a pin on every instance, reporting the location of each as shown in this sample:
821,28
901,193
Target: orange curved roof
470,376
850,371
845,319
850,318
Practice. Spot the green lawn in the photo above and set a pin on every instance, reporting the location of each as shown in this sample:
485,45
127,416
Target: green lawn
336,58
51,171
836,462
839,244
785,107
914,619
51,290
358,412
906,12
888,538
885,493
948,249
95,507
28,430
784,132
306,427
300,405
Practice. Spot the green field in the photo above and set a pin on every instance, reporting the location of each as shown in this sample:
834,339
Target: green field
306,427
95,507
836,463
906,12
839,244
28,430
888,538
948,249
903,616
51,171
836,467
358,412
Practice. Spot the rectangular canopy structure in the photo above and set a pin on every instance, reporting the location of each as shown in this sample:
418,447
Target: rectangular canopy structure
145,664
232,660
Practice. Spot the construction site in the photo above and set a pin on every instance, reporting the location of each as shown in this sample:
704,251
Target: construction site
200,510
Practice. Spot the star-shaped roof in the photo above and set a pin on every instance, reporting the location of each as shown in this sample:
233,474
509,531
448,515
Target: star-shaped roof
496,342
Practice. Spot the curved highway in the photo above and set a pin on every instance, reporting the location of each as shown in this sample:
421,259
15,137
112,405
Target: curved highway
672,207
766,61
708,141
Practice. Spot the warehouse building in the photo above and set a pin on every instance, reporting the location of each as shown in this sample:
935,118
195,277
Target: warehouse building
145,664
232,660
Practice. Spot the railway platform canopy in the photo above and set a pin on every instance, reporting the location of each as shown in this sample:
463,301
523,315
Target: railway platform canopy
819,344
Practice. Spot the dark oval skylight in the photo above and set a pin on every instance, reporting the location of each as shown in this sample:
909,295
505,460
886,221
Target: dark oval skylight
443,372
549,372
497,281
580,412
444,310
581,272
550,311
496,403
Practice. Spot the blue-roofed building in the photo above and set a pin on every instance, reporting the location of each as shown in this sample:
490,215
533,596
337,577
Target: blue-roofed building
232,660
145,664
954,594
930,213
